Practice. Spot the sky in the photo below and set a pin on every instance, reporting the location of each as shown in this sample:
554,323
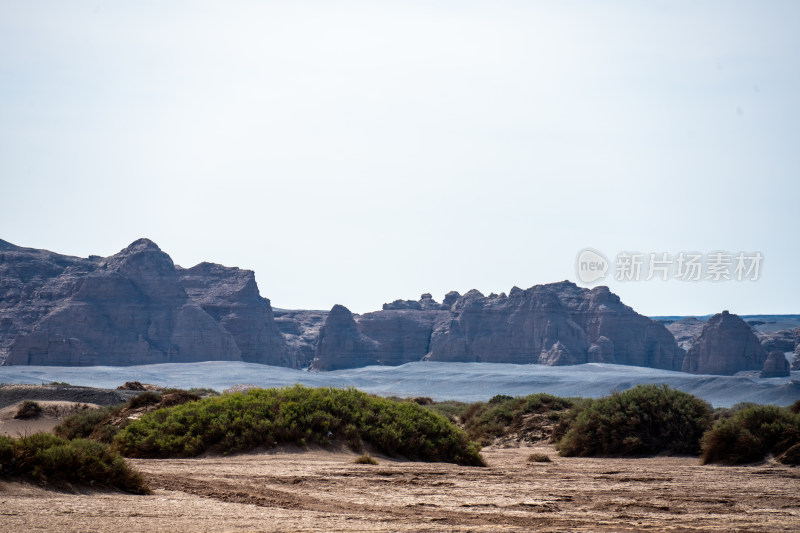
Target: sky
361,152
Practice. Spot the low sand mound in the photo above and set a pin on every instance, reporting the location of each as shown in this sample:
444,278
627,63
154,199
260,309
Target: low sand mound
52,413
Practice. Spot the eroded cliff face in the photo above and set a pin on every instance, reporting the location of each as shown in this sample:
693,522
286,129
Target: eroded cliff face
726,345
137,307
557,323
554,324
231,297
130,308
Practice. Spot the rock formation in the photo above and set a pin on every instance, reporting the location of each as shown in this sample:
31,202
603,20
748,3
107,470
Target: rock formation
300,330
686,331
776,365
341,345
231,297
524,327
553,324
784,340
403,336
726,345
137,307
130,308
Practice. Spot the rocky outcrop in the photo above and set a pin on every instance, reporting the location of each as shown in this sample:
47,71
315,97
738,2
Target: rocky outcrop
686,331
726,345
137,307
524,327
553,324
341,345
130,308
516,328
300,330
557,355
776,365
403,336
231,297
784,340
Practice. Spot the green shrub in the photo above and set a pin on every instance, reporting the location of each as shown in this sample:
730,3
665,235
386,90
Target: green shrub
750,434
144,399
365,459
483,422
202,391
47,458
28,409
539,458
567,418
82,424
646,419
451,410
500,398
297,415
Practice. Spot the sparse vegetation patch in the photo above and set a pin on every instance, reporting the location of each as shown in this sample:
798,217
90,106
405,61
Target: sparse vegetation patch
365,459
27,410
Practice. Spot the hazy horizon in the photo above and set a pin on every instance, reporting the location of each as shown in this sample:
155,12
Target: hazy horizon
361,152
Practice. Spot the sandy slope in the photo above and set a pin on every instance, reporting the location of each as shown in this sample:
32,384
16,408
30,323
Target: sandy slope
52,413
325,491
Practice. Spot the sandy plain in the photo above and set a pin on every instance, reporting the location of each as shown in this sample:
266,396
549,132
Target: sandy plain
322,490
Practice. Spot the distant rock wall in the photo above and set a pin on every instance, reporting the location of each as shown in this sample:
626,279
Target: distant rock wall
555,324
726,345
137,307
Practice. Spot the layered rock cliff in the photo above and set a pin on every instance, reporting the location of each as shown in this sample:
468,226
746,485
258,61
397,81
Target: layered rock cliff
231,297
726,345
554,324
135,307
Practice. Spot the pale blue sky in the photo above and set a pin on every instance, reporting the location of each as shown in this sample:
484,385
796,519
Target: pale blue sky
359,152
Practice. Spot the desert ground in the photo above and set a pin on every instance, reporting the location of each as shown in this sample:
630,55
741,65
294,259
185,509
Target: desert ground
322,490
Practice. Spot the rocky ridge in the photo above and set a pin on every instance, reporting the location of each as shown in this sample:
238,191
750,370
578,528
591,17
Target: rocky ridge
135,307
553,324
138,307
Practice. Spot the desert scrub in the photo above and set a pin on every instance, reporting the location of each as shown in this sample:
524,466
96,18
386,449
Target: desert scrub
103,424
45,458
297,415
751,433
365,459
539,458
144,399
28,409
484,421
646,419
82,424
